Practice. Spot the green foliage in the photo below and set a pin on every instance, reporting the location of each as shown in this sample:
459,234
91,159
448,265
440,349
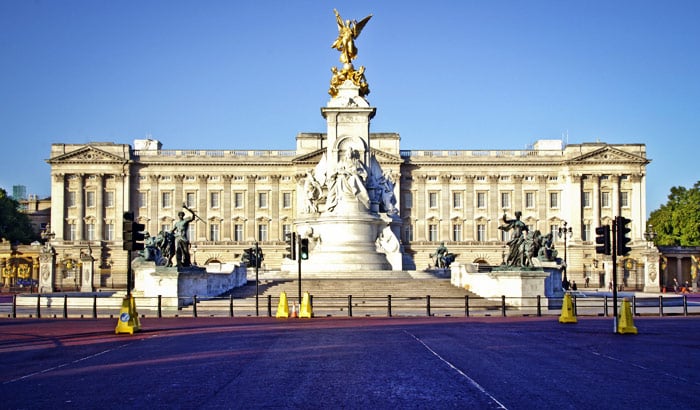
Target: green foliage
677,223
14,225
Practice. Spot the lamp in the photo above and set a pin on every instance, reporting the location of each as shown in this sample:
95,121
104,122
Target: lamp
565,232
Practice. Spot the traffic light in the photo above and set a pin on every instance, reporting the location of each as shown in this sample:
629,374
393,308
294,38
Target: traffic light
248,256
622,238
603,240
304,248
290,248
133,233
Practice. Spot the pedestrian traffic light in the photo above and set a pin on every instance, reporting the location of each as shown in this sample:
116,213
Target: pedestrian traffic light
304,249
290,247
622,239
133,233
603,240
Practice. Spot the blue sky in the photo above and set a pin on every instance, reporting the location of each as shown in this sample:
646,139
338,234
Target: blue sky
444,74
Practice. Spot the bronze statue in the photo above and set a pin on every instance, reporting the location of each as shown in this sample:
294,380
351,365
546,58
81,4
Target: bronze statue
516,254
182,243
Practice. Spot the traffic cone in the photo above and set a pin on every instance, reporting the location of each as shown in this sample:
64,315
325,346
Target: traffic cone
283,307
626,322
128,317
305,309
567,310
294,309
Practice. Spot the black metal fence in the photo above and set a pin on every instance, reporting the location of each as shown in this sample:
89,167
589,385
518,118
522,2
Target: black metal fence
71,306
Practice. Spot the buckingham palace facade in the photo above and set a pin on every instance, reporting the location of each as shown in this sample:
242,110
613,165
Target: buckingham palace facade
242,197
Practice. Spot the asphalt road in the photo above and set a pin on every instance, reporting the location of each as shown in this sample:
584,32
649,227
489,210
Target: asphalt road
474,363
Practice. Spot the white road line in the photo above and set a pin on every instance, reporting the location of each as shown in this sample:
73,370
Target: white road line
461,373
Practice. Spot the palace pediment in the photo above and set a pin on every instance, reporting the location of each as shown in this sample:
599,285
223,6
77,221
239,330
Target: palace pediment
608,155
87,155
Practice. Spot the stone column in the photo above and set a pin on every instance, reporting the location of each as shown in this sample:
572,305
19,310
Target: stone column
421,211
541,204
202,207
178,195
226,203
274,232
595,199
99,207
250,208
58,207
469,208
576,208
637,204
445,207
494,212
615,182
155,205
80,205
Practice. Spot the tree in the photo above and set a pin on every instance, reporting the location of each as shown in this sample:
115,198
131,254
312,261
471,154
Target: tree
677,223
14,225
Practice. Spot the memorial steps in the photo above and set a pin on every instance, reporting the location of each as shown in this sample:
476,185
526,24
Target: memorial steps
366,294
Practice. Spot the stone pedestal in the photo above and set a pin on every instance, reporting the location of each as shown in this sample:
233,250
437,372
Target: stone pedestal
47,271
652,281
521,287
87,273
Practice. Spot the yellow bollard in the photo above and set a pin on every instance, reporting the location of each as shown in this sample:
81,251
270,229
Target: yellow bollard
305,309
567,311
626,322
283,307
128,321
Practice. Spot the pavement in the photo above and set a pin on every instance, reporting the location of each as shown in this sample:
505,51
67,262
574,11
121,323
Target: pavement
424,362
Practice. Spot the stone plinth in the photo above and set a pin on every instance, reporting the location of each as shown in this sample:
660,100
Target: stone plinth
178,286
521,287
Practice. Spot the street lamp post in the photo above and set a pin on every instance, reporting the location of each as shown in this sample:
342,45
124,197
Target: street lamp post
565,232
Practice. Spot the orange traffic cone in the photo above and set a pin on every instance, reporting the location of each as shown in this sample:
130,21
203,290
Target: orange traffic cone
294,310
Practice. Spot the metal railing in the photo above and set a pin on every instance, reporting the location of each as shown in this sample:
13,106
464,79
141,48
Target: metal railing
66,306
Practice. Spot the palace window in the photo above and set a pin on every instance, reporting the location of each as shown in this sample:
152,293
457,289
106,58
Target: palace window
262,232
432,233
166,199
72,232
191,232
586,233
624,199
262,199
165,228
605,199
214,232
505,200
238,232
481,232
109,199
214,200
432,200
142,199
90,199
286,200
238,200
286,230
586,199
529,200
109,232
457,232
90,232
554,200
70,199
481,200
457,200
190,199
